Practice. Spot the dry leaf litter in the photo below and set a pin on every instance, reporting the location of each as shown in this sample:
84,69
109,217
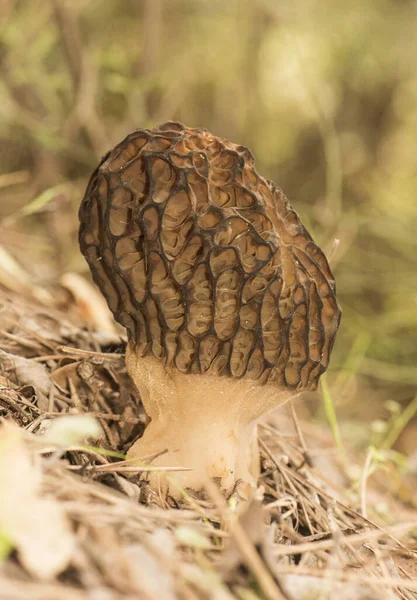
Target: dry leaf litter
78,522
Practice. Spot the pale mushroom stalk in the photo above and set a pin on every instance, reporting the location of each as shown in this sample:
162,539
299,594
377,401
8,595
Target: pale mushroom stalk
229,306
207,423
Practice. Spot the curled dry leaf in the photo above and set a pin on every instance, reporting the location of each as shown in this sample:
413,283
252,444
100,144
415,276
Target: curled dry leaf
35,526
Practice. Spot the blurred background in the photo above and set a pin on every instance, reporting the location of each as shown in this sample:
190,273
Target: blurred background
322,91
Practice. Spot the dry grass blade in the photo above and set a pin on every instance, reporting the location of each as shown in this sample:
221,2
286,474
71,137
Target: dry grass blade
90,353
119,469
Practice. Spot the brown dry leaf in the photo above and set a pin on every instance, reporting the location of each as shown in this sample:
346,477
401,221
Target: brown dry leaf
26,371
61,375
36,526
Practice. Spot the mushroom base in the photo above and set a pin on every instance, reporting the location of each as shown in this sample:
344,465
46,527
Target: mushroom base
205,423
209,450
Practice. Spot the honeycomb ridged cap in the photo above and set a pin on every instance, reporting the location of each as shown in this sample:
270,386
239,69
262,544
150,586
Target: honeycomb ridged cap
205,263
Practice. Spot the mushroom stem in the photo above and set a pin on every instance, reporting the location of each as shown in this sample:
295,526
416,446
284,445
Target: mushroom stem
203,422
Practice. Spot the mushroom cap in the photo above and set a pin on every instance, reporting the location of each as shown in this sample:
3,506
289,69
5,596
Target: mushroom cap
205,263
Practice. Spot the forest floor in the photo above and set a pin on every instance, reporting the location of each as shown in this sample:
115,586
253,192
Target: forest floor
78,522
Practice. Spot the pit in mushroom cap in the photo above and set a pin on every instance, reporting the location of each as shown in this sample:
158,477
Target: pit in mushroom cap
229,305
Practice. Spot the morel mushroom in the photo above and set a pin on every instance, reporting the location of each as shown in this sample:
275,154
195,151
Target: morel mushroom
229,305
